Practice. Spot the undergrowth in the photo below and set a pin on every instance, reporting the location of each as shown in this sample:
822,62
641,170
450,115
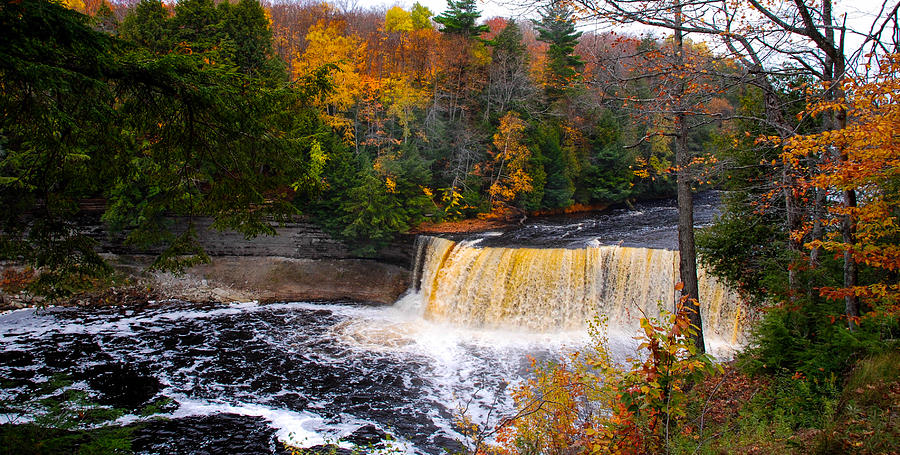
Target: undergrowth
806,385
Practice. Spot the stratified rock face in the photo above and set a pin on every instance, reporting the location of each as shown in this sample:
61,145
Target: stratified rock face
302,262
244,278
299,239
288,279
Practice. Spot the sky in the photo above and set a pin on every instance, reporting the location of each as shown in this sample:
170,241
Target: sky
858,11
860,14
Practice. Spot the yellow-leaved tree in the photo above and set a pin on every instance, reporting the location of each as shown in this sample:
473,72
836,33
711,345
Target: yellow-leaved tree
329,47
509,177
398,20
77,5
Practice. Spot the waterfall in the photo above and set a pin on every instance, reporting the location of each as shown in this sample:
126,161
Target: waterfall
557,289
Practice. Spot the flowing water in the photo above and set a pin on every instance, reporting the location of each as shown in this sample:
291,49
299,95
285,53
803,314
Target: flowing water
248,378
244,378
650,224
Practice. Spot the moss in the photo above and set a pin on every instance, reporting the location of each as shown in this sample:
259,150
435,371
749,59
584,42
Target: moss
35,439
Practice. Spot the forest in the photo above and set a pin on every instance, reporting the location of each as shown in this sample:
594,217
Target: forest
373,120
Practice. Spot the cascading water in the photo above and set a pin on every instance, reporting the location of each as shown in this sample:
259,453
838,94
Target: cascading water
556,289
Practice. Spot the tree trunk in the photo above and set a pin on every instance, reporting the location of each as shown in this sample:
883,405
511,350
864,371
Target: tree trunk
848,227
792,218
818,230
687,250
848,234
835,69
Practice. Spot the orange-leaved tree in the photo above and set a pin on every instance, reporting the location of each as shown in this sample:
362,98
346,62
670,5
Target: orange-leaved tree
863,157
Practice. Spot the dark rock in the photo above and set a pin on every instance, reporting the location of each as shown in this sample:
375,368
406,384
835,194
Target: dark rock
16,358
368,435
213,434
122,386
292,401
67,350
449,445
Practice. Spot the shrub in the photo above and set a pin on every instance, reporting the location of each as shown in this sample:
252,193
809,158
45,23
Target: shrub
587,402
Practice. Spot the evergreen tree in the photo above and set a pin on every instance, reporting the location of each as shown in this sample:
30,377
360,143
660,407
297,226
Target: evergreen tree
379,204
559,189
53,68
147,25
152,134
460,19
247,34
509,42
557,28
607,177
197,24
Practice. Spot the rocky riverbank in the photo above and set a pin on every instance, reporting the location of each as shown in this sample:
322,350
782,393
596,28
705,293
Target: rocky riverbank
301,263
238,279
242,278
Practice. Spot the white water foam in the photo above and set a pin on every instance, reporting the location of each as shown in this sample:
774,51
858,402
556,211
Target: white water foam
449,366
470,368
300,429
460,365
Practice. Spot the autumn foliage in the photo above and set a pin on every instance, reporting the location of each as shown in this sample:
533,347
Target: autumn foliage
590,403
510,160
863,157
13,281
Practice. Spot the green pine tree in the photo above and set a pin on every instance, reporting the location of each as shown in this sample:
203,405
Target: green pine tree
557,28
559,188
460,18
147,25
154,133
247,34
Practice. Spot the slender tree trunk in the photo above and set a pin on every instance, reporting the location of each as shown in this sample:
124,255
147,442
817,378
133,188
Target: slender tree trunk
848,234
792,218
848,227
818,230
775,116
835,68
686,248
